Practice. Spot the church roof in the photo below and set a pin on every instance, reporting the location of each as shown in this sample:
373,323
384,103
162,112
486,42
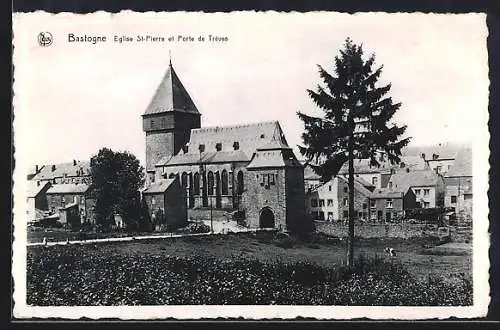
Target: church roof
34,188
171,96
236,143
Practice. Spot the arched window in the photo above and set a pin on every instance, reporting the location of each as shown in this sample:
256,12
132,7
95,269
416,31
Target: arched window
225,183
196,187
184,180
240,184
210,183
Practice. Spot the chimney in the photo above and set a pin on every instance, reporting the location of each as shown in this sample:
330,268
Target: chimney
36,168
407,170
53,168
38,183
74,162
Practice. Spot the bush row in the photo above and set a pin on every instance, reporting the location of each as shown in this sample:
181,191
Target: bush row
71,275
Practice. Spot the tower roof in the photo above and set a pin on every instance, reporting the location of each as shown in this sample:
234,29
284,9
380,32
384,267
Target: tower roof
171,96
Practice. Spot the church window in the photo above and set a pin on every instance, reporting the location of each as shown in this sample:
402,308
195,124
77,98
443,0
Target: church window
210,183
196,184
218,146
201,148
271,178
236,145
240,183
184,180
225,183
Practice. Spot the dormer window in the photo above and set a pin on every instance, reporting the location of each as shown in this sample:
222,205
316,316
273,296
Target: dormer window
201,148
218,146
236,145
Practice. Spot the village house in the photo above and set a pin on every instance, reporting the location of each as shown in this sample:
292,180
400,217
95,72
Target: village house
458,185
249,167
166,203
388,205
329,201
74,172
379,176
427,185
63,196
37,199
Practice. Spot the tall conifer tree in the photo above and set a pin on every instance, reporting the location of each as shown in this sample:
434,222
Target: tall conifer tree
355,124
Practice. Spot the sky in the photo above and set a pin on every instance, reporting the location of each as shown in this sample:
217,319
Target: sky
71,99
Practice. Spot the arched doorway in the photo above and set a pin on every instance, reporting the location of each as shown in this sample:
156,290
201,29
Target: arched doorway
266,219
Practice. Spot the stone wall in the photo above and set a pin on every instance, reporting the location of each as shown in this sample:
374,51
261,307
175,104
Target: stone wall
372,231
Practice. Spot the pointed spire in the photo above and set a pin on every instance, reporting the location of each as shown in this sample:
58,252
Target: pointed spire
169,57
171,95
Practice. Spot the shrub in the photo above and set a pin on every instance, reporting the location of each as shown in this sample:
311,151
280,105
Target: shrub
194,228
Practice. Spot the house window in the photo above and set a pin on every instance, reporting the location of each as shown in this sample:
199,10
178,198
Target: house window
453,199
218,146
426,192
390,185
345,202
271,178
329,202
330,216
321,202
417,191
314,202
345,214
236,145
427,205
345,189
201,148
372,204
374,181
364,206
360,215
329,188
388,203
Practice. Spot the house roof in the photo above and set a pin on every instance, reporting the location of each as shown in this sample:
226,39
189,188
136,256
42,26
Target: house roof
407,162
443,150
462,165
386,193
159,186
264,158
249,138
68,188
357,186
69,169
34,188
309,173
171,96
402,181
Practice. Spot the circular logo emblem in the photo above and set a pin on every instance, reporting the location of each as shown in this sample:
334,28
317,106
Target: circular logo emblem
45,39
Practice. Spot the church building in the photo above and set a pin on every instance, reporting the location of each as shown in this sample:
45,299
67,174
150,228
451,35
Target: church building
247,167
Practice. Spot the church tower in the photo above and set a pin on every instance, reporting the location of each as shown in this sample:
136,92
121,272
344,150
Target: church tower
168,120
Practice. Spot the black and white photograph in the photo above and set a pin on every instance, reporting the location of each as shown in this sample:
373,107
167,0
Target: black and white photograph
250,164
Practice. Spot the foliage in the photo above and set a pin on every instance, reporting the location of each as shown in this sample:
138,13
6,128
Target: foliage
355,123
194,228
116,180
75,275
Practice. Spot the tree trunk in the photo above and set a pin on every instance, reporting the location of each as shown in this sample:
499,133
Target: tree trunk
350,239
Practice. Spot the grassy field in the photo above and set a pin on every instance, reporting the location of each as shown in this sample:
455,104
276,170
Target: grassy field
262,268
323,252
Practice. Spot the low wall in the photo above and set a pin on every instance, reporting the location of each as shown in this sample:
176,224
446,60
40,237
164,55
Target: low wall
404,231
